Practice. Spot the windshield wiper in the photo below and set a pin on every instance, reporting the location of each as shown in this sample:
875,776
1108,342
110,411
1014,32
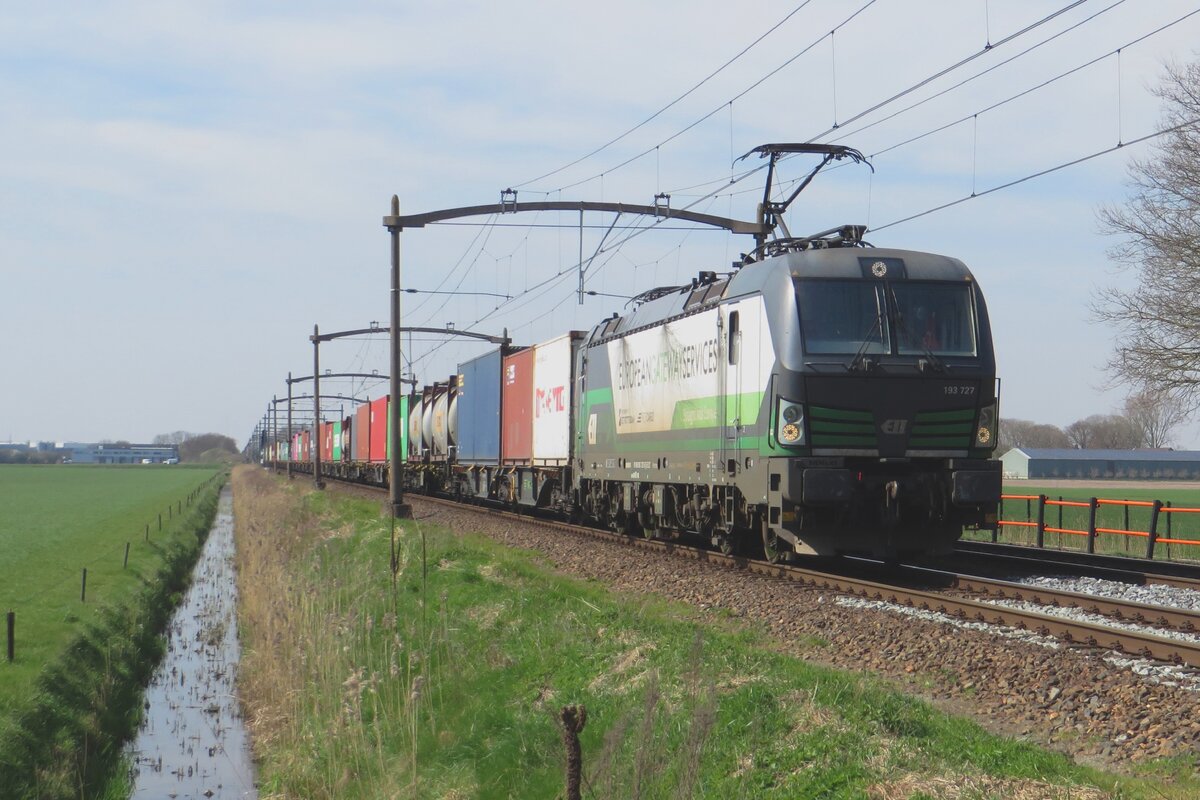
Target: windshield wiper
860,360
930,361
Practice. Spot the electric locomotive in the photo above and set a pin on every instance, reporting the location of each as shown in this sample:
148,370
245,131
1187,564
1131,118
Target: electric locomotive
831,398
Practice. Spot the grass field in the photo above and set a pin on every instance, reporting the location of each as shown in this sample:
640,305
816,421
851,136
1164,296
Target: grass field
1171,525
449,683
56,521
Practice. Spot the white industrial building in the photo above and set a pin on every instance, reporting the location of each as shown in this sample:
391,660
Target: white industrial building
1037,463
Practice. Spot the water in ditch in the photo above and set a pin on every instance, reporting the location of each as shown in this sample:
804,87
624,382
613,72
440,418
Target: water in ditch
192,744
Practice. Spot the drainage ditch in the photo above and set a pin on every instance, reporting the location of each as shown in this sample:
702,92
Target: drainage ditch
192,744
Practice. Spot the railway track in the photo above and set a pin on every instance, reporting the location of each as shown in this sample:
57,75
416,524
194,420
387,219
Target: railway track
952,600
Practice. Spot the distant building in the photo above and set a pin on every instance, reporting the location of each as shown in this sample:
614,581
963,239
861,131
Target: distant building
1162,465
87,453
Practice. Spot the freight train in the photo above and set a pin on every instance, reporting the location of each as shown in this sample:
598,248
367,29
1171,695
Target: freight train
827,397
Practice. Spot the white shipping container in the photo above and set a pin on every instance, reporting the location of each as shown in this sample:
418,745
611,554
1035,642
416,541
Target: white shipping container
552,401
414,426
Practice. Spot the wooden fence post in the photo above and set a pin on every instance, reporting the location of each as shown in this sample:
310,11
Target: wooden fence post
1091,543
999,516
83,587
1153,537
12,639
1041,521
1126,538
125,564
1060,521
573,719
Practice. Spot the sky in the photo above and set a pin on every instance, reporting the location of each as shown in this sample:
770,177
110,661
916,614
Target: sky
188,188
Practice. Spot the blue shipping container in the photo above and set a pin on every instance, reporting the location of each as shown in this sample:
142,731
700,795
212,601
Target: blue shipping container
479,410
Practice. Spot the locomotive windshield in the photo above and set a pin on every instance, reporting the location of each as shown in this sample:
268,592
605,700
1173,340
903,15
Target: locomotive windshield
896,317
843,316
934,317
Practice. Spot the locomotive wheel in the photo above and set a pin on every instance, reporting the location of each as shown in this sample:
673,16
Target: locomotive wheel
775,550
726,544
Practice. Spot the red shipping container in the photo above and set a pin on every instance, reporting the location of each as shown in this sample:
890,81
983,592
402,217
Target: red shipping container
305,446
362,432
327,441
516,408
379,427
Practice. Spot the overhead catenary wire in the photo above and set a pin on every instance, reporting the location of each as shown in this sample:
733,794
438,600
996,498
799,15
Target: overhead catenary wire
973,115
944,71
735,98
947,70
843,134
671,104
1038,86
1039,174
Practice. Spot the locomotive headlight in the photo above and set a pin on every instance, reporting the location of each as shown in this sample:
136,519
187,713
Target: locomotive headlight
985,432
790,423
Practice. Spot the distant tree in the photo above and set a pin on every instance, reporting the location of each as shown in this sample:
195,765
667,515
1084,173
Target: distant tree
1023,433
1156,416
1104,432
1082,432
178,437
1157,322
207,447
1115,432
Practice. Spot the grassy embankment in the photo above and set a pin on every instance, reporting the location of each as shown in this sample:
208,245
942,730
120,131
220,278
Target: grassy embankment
73,691
1136,518
450,684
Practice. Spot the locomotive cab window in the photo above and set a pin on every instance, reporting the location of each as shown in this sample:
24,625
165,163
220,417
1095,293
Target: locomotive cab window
843,317
934,317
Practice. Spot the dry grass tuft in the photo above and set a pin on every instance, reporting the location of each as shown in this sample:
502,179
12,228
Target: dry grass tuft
979,787
626,673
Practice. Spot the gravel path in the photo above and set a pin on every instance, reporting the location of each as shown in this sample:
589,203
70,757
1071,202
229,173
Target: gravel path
1092,705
